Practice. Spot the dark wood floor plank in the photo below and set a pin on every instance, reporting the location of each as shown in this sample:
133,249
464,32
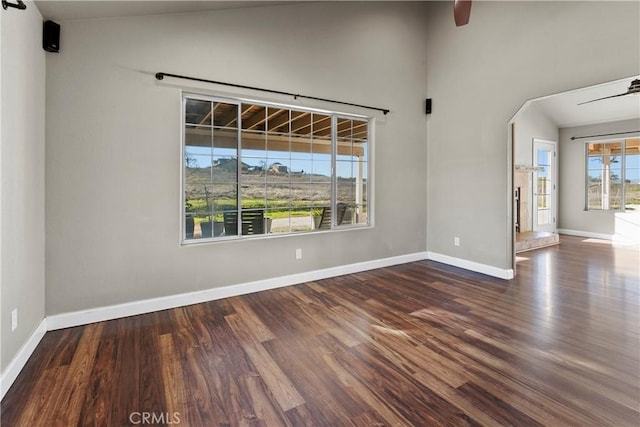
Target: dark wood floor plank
152,396
547,365
524,373
284,392
259,329
304,367
241,388
380,410
173,379
410,358
300,416
126,373
456,363
80,368
499,409
263,404
96,409
417,403
409,345
38,411
52,353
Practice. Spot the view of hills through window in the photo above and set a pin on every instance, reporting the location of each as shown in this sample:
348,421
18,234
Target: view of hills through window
262,169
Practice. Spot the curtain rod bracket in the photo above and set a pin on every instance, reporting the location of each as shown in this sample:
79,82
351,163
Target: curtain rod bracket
20,5
161,76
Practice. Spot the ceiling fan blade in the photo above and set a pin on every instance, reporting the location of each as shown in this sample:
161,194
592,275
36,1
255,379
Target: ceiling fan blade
461,12
606,97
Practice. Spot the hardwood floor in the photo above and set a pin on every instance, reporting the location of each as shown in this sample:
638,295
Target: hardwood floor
417,344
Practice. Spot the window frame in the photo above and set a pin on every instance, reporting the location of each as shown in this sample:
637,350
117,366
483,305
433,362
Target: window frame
239,101
623,156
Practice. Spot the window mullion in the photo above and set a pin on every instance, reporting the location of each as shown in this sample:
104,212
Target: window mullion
239,171
334,181
586,176
290,192
623,153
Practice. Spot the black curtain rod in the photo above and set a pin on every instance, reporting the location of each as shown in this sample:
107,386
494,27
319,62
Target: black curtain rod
604,134
160,76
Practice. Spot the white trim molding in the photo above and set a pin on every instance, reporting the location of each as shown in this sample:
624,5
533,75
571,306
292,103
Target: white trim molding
615,238
83,317
489,270
589,234
21,358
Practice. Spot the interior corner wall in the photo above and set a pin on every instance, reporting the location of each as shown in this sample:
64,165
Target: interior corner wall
572,214
22,168
113,141
478,76
530,124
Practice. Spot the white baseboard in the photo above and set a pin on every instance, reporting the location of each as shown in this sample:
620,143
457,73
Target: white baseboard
489,270
83,317
616,238
10,374
588,234
99,314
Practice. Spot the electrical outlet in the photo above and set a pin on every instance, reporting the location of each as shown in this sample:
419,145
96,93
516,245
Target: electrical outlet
14,320
298,253
456,241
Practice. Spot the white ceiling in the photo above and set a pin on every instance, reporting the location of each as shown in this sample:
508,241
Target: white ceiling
563,108
75,9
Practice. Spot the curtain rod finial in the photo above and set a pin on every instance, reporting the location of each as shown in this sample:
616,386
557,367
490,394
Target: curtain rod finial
20,5
159,76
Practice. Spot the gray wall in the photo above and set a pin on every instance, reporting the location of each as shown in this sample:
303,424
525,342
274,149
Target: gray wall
478,76
113,141
531,123
22,170
572,215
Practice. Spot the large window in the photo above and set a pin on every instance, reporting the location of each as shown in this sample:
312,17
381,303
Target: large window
255,169
613,175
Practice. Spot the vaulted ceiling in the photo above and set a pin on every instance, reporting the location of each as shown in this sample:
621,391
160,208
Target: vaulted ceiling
562,108
564,111
63,10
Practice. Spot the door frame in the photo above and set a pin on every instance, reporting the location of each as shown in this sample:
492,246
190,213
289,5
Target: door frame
554,191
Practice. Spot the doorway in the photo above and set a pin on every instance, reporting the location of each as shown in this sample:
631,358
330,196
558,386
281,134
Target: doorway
536,201
539,128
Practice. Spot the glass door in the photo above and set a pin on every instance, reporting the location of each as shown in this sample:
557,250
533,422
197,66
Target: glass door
544,186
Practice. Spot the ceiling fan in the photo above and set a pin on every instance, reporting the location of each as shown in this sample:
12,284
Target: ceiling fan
634,88
461,12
